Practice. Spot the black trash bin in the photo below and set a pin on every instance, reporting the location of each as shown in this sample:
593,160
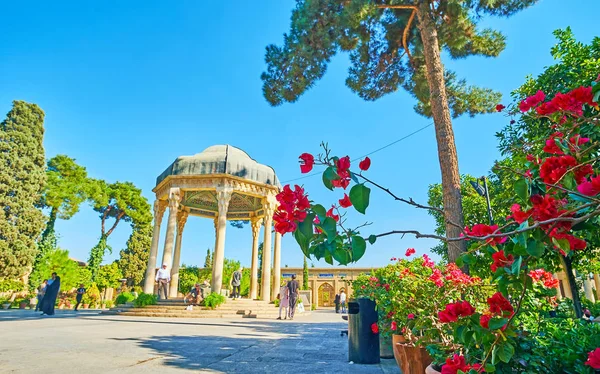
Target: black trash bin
363,345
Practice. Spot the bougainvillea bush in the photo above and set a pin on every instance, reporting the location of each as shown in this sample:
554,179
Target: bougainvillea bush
556,203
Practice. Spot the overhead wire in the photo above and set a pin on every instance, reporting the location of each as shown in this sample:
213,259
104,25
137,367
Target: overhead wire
368,154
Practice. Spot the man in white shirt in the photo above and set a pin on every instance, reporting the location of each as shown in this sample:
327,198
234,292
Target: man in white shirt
343,301
163,277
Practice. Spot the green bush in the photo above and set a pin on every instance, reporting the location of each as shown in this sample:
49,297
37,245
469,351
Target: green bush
109,303
124,297
145,299
214,300
11,285
276,302
593,307
188,277
313,307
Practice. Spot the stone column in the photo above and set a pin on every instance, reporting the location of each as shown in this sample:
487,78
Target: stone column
256,223
587,287
171,226
181,220
223,197
159,210
266,259
597,284
276,266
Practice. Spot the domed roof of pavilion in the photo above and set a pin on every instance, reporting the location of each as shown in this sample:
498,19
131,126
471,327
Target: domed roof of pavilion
221,159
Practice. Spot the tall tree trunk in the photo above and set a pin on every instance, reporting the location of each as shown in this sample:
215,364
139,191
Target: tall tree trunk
568,265
443,131
50,224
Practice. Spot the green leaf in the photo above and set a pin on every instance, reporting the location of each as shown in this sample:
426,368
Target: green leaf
497,323
519,249
516,266
489,368
522,189
320,211
328,258
505,352
579,198
329,175
306,226
359,196
372,239
460,262
469,258
535,248
562,244
358,247
329,227
302,242
495,354
342,256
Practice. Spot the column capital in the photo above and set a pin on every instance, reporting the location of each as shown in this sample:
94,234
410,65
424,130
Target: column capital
182,217
223,198
269,207
159,209
256,223
174,198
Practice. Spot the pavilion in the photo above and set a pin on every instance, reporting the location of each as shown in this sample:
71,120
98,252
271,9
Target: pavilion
221,183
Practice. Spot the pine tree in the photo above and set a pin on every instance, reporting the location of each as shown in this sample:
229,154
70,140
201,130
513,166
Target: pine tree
395,44
22,179
134,258
208,259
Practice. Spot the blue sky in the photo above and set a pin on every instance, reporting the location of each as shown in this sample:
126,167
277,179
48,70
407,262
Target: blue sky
127,86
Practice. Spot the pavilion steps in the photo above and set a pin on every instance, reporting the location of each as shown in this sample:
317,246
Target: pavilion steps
176,308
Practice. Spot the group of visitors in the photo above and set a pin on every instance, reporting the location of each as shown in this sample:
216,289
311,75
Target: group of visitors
340,301
196,294
288,298
47,294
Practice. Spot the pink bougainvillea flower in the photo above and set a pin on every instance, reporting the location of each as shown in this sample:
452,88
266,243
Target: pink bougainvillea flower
500,107
293,205
531,101
575,243
387,287
501,260
341,183
518,215
330,213
455,310
593,360
411,316
499,305
484,321
553,168
481,230
345,202
375,328
342,165
394,326
365,164
409,252
427,262
591,187
307,162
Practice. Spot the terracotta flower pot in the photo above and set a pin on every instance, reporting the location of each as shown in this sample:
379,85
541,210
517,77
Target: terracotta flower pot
6,306
22,305
386,349
395,340
86,306
431,370
411,360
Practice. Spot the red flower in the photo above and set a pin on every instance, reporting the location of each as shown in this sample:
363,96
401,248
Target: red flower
594,359
332,215
387,287
436,278
365,164
531,101
551,146
481,230
427,262
484,321
575,243
343,164
292,209
345,202
341,183
501,260
553,168
518,215
500,305
307,162
394,326
409,251
591,188
375,328
455,310
410,316
500,107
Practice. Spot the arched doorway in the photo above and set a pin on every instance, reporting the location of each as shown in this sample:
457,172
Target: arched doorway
326,295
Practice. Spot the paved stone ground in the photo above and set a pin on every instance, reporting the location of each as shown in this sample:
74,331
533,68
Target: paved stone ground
89,343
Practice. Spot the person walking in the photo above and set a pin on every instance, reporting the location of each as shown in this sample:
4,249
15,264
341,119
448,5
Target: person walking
79,297
163,277
343,301
337,302
40,295
284,301
50,296
236,282
292,289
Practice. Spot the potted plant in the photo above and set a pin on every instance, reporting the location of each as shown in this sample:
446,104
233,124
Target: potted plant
23,303
5,302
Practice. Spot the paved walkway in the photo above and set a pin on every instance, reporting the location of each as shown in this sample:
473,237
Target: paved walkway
91,343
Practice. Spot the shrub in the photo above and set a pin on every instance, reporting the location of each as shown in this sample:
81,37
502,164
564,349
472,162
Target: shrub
313,307
11,285
214,300
276,302
145,299
124,297
109,303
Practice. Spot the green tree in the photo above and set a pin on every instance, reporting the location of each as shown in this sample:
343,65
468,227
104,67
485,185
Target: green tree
395,44
22,179
121,201
133,259
229,266
259,272
108,276
188,277
57,261
208,259
245,283
305,275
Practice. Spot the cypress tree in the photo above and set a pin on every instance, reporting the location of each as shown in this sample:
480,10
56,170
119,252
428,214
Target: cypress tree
208,259
393,44
133,259
22,179
305,275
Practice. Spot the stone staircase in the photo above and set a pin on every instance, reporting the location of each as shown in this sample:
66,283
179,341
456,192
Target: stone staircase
176,308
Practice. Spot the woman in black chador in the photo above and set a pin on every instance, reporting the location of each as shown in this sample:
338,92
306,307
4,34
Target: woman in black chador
49,299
